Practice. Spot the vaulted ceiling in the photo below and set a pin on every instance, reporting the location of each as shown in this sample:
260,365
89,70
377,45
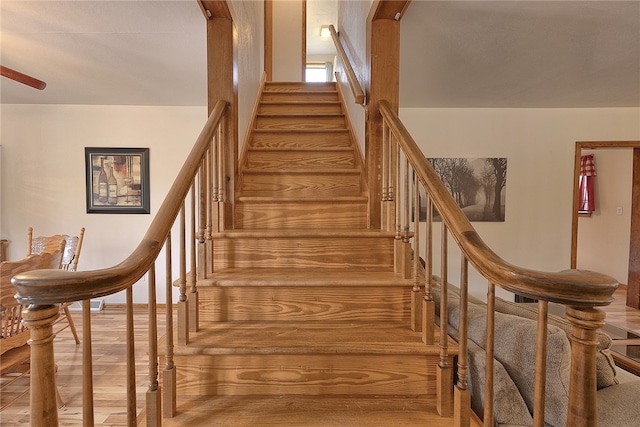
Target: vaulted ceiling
455,53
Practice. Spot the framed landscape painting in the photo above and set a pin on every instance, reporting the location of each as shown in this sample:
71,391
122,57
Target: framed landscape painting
478,186
117,180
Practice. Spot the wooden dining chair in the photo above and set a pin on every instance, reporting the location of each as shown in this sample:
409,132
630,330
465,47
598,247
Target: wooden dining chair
14,336
70,257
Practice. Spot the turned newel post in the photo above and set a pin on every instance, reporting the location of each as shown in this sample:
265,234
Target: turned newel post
583,384
39,320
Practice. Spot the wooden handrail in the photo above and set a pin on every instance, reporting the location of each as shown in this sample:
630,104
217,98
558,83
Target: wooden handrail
44,287
571,287
580,291
356,88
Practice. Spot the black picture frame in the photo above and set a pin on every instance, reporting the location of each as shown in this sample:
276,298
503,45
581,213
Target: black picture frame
117,180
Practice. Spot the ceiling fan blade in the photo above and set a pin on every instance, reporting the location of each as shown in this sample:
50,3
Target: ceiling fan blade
22,78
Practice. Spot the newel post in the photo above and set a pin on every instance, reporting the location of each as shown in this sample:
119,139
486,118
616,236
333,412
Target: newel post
39,320
583,384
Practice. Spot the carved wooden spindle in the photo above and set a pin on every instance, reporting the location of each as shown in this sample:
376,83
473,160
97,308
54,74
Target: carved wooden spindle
193,289
394,149
429,306
405,257
202,201
385,163
87,365
461,394
169,374
43,407
396,180
489,346
153,405
209,194
221,174
131,361
541,364
444,371
416,297
183,307
582,384
215,162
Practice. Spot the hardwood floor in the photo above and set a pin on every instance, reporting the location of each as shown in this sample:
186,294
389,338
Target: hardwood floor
618,314
232,411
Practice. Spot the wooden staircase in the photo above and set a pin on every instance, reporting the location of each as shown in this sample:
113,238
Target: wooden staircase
304,301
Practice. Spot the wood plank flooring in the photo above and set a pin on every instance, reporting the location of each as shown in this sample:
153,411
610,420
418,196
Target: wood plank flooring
225,411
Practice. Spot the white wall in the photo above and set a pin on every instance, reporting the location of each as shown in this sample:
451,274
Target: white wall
352,28
287,41
248,18
539,145
43,174
603,238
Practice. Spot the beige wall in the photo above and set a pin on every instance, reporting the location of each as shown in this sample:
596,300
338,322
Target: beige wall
287,41
539,145
43,174
248,18
352,20
603,238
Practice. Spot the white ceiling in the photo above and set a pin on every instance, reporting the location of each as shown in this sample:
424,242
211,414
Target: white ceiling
462,53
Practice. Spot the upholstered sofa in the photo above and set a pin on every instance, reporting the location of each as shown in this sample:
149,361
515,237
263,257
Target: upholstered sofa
618,395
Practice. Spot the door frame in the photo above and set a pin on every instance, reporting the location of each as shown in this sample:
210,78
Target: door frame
633,286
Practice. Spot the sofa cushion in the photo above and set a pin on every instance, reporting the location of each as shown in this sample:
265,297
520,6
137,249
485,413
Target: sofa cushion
605,365
509,406
515,348
618,406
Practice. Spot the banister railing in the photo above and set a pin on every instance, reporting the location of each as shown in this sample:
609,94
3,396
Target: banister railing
354,84
202,178
406,174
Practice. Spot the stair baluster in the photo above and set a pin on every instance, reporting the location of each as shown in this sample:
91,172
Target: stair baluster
429,305
153,396
169,373
416,297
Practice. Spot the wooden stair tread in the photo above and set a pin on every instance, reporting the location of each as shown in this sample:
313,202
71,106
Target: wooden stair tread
309,338
289,102
305,277
311,411
283,171
300,149
285,199
301,131
303,232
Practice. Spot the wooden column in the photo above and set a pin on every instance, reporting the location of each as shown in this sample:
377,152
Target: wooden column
222,41
583,384
43,407
383,59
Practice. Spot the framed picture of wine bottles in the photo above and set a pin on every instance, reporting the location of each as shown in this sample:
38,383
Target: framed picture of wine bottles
117,180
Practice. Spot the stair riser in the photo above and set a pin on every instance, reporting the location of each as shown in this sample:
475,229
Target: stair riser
305,303
304,186
304,140
306,108
289,87
303,252
300,96
301,215
278,374
292,160
300,123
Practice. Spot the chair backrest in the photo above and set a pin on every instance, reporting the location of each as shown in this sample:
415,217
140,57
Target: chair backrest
12,333
72,248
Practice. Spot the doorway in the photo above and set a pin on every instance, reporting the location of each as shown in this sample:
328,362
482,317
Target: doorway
633,207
